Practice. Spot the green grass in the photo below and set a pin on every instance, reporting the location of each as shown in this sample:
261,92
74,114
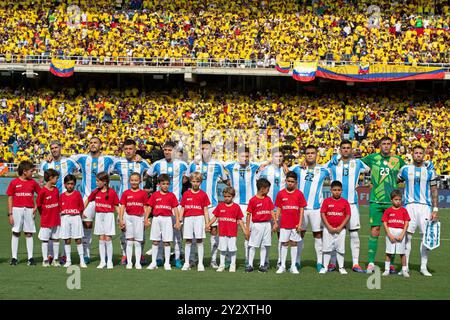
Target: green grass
24,282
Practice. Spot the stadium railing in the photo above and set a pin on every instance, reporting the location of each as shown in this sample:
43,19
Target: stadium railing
182,62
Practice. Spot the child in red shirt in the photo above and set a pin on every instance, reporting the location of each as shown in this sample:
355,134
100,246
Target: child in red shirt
47,203
395,221
21,209
229,215
106,203
335,213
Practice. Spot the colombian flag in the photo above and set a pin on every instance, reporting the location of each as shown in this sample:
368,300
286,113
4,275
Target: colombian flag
62,68
305,71
363,68
283,67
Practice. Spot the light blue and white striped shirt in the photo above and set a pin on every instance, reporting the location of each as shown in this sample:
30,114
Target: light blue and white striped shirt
124,168
89,168
348,174
64,167
417,183
176,169
211,172
310,183
243,180
276,177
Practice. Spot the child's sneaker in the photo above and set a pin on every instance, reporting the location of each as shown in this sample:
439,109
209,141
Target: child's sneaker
167,267
138,266
386,273
129,266
294,270
232,268
31,262
281,270
152,266
45,264
101,265
406,273
342,271
323,271
200,267
109,265
83,265
425,272
186,267
67,264
220,268
55,263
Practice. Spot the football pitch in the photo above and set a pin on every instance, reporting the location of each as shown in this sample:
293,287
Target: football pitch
36,282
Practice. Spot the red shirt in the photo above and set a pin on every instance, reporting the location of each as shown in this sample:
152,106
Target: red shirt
22,192
134,202
71,204
162,204
228,217
261,209
290,204
194,203
335,210
47,202
395,218
101,203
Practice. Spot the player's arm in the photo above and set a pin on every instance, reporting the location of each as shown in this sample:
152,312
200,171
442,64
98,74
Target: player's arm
147,211
10,206
275,216
181,213
208,226
435,201
242,225
388,233
121,212
299,226
177,218
247,225
206,214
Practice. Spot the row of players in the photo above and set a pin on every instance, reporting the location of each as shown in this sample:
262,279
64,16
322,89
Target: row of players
385,169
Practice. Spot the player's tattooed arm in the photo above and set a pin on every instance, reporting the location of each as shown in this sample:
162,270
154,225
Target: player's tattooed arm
242,225
247,226
208,226
147,211
435,201
276,217
121,212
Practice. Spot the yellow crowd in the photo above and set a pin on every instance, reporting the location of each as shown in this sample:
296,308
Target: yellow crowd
251,30
33,119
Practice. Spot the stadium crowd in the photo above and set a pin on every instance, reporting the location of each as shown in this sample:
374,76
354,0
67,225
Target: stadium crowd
264,31
30,120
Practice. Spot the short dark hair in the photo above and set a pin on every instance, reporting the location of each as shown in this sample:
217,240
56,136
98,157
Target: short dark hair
311,147
163,177
137,174
345,141
70,178
50,173
385,138
230,191
129,142
336,183
170,144
262,183
100,140
419,147
396,193
292,174
24,166
277,150
206,142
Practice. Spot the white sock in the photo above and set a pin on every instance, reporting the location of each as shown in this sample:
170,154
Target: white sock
423,256
44,247
87,239
387,265
55,249
167,254
246,249
124,244
299,251
137,251
340,259
233,258
284,250
408,243
129,251
201,252
102,251
29,247
318,247
279,253
154,253
404,268
68,251
326,258
263,254
192,257
222,258
80,251
187,252
50,248
14,246
214,245
333,258
64,254
293,255
251,255
109,251
354,246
